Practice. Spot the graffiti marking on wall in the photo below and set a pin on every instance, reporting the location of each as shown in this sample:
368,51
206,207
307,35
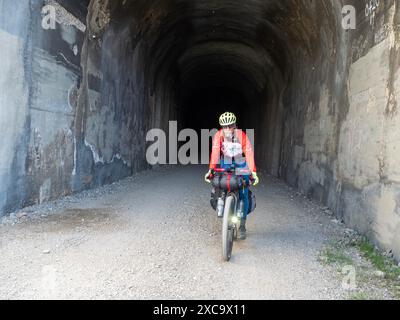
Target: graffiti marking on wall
370,10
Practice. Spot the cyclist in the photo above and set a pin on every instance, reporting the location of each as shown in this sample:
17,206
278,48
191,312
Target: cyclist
231,146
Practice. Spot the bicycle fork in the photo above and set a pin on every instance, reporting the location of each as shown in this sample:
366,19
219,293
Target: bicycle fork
238,212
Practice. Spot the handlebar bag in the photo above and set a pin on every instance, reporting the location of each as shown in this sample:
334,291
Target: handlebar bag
227,182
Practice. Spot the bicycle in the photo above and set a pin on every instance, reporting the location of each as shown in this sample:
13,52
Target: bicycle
229,206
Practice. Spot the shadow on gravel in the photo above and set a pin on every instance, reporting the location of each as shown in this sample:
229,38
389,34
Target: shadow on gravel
75,219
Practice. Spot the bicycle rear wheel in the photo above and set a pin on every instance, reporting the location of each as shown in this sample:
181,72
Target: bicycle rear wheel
227,229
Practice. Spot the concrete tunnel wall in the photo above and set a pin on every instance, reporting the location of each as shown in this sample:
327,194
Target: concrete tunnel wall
76,102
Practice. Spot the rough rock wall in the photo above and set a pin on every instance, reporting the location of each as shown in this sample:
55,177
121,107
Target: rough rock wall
102,127
76,101
346,152
55,106
368,166
39,76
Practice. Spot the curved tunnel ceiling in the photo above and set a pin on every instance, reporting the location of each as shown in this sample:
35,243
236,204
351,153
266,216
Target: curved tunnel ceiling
250,40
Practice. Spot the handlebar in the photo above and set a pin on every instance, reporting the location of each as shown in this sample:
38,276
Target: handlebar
239,172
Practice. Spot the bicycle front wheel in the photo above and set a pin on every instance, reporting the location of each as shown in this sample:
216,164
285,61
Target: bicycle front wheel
227,229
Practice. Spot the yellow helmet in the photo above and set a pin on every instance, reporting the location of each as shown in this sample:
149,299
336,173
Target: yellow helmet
227,119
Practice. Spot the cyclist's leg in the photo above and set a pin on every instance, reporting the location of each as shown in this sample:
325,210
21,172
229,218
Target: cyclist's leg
244,195
244,192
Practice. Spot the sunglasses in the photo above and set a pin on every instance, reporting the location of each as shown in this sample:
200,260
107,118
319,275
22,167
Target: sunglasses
233,126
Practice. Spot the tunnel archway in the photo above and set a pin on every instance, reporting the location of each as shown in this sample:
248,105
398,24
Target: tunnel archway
230,56
324,111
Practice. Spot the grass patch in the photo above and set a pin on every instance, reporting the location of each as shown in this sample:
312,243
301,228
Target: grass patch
378,260
335,255
366,259
359,296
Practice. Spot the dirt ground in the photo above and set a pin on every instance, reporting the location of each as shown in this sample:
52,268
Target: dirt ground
155,236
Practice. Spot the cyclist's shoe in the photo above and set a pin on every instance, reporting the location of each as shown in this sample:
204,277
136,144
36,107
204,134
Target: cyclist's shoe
242,231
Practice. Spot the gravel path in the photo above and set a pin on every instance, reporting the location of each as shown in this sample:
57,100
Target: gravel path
155,236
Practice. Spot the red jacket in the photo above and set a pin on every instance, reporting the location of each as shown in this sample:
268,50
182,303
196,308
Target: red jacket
219,145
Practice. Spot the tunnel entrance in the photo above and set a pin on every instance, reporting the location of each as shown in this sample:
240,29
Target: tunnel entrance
89,91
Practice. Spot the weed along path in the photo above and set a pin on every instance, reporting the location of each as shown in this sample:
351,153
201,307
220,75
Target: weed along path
155,236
